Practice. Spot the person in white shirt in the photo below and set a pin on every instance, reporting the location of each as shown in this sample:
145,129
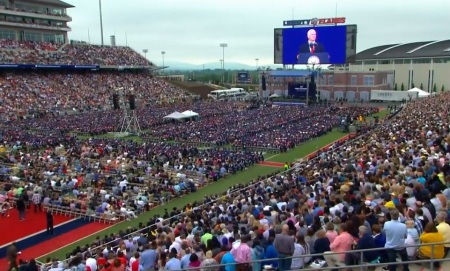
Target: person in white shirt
299,250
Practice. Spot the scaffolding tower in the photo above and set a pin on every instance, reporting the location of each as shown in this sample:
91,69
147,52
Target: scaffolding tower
129,123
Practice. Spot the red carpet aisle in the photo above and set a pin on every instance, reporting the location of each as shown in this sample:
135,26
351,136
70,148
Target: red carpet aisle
55,243
12,229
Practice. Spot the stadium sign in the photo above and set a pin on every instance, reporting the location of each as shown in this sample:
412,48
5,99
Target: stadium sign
315,21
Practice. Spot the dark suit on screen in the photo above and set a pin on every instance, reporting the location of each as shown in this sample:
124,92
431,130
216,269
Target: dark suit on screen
306,48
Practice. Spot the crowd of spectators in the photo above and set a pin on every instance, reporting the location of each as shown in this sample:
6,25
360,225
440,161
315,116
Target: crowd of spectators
22,93
44,53
387,189
274,127
28,45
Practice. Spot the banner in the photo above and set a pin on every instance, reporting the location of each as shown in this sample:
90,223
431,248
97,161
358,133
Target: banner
29,66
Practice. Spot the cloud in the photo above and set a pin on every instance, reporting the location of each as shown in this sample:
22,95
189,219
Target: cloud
191,31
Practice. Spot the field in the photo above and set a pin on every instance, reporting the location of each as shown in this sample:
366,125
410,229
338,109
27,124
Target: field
221,186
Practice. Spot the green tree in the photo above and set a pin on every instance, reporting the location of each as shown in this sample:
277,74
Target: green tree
402,87
412,85
442,88
421,86
434,88
395,86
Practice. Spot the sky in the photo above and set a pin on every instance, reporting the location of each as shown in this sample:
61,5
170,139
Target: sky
191,31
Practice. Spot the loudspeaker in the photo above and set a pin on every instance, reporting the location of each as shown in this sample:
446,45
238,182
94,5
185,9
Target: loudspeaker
132,102
116,104
263,82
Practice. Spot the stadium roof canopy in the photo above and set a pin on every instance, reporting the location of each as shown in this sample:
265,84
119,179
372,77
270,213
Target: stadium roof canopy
424,49
290,73
57,3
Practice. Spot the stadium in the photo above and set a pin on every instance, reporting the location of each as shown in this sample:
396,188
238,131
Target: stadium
106,166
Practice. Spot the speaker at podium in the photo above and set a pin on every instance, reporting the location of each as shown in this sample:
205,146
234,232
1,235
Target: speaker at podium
314,58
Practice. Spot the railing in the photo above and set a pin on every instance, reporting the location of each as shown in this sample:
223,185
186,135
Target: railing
236,192
362,265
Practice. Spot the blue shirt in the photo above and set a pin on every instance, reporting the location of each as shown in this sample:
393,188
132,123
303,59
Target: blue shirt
228,259
148,259
185,261
396,233
173,264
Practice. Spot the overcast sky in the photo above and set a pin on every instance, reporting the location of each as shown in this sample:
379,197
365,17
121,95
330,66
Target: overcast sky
191,31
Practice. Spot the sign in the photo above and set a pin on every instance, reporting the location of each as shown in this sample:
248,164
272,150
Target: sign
243,78
315,21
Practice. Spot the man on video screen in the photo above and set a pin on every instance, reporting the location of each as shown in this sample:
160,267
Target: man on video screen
311,46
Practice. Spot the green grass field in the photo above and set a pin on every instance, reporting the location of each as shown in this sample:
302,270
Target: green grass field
214,188
219,187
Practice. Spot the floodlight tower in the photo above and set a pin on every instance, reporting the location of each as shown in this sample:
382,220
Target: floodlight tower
223,45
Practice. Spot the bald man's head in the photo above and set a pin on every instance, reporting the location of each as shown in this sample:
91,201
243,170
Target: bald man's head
285,229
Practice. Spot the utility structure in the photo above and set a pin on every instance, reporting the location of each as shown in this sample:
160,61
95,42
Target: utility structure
130,122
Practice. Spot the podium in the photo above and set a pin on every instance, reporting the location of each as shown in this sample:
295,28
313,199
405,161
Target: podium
313,58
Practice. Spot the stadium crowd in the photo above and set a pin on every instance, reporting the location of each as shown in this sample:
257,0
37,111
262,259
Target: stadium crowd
44,53
387,189
24,93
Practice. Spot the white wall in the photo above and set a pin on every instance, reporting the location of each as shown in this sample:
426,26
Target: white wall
420,75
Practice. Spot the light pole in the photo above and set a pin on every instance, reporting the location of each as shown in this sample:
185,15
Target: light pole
162,54
101,19
145,51
256,60
223,45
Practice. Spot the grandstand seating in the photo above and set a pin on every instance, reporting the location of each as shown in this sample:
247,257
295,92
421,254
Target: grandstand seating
80,54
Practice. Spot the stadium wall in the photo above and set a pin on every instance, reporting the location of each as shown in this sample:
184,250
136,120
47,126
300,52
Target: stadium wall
426,74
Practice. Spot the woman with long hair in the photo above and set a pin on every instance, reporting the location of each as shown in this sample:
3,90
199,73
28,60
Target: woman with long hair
161,261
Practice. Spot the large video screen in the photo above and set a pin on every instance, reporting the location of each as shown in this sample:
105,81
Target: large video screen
314,45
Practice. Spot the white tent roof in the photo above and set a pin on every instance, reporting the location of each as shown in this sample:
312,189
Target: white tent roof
190,113
175,115
422,93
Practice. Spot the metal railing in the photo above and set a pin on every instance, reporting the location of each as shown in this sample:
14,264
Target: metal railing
362,265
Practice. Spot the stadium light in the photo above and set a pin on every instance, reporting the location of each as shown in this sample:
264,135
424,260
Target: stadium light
101,19
163,53
145,51
223,45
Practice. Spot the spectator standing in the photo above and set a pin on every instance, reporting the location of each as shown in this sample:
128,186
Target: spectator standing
20,205
285,246
242,254
444,229
49,222
173,263
395,241
149,257
11,255
341,244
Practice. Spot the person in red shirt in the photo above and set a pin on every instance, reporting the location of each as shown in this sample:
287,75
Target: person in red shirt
122,258
135,264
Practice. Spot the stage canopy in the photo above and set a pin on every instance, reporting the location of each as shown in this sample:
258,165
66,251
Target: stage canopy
422,93
179,116
190,114
175,116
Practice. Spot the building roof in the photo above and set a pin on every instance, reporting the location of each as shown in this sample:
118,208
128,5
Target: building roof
429,49
289,73
57,3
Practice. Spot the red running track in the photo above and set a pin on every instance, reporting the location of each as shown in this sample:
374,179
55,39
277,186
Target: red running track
56,243
13,229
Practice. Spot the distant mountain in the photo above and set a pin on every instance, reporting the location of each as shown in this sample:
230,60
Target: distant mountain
173,65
